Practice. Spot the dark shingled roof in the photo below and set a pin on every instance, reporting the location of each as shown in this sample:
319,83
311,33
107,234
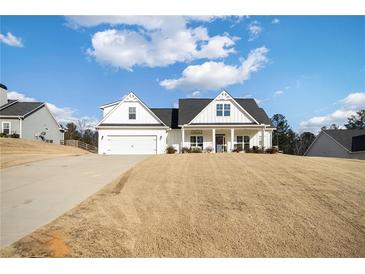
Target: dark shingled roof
358,143
19,108
132,125
189,108
346,136
169,116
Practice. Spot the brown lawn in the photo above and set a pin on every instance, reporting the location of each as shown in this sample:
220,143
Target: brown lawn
215,205
15,152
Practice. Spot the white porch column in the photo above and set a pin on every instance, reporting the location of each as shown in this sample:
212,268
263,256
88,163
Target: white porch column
213,139
182,138
263,138
232,139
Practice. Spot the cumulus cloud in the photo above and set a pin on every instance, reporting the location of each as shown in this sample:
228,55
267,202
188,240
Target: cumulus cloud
213,75
275,21
11,40
254,30
63,115
350,104
154,41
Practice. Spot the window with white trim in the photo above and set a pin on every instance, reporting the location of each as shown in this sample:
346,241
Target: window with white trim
227,110
219,109
243,142
6,128
132,113
196,141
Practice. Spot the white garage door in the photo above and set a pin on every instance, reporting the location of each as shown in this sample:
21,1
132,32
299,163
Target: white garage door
132,144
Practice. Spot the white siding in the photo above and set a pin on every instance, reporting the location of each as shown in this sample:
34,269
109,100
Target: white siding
174,138
120,115
208,115
160,134
254,135
107,110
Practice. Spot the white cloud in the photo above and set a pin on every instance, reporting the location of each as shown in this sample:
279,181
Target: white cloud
63,115
355,100
350,104
158,40
13,95
11,40
194,94
254,29
275,21
213,75
278,92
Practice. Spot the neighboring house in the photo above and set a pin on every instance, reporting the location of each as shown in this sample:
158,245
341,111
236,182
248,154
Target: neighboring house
220,124
341,143
30,120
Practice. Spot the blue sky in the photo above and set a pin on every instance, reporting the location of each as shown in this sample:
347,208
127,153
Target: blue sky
309,68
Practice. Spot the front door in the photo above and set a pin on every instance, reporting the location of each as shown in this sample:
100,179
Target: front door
220,141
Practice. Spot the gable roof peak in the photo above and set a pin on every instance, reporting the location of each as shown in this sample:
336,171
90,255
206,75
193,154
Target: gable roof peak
223,95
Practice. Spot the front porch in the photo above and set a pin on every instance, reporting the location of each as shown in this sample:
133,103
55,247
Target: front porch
226,139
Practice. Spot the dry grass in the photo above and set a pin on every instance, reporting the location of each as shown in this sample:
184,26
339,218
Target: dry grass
222,205
15,152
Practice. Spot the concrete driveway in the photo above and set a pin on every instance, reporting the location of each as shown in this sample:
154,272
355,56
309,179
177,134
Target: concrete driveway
34,194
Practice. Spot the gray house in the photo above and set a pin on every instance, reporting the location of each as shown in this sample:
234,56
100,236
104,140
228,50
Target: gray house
30,120
341,143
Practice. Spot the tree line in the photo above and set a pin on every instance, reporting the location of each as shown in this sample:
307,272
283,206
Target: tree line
78,132
290,142
284,137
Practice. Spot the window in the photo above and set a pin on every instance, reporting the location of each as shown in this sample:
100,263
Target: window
6,127
243,142
246,142
239,142
196,141
227,110
219,109
132,113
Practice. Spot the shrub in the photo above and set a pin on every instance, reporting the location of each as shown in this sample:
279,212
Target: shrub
273,150
196,150
237,149
208,149
14,135
170,150
185,150
3,135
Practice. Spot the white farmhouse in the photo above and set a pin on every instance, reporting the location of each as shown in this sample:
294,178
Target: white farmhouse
221,124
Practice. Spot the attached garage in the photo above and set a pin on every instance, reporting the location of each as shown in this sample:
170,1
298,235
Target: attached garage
131,144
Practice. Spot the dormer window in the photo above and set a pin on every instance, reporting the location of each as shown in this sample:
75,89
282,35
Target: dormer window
132,113
227,110
219,109
223,110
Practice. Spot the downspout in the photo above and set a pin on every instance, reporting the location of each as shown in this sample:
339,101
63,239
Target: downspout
20,127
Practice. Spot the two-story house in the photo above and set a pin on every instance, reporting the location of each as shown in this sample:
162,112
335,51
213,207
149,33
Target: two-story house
221,124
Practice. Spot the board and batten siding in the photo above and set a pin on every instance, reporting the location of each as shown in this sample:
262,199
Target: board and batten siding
208,115
120,115
106,110
35,123
174,138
